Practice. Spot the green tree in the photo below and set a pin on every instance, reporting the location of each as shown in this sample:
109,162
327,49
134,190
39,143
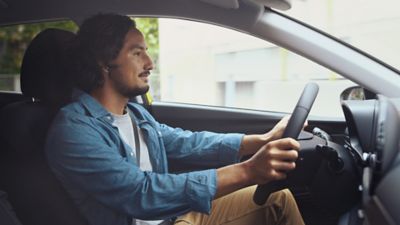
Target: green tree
15,39
149,28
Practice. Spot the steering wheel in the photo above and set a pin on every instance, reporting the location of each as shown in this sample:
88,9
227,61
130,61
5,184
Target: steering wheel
293,129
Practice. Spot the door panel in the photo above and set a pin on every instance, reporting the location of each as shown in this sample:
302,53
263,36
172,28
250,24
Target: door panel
9,97
221,119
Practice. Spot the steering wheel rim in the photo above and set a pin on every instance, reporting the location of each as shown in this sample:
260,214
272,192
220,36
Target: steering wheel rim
292,130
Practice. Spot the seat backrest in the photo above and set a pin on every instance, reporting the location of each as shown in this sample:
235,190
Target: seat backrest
36,195
7,215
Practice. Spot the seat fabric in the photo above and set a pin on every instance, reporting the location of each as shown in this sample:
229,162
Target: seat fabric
36,195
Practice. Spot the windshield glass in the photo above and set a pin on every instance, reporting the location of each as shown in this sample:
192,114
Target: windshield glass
370,25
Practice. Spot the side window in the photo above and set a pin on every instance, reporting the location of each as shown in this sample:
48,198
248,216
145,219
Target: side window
13,43
205,64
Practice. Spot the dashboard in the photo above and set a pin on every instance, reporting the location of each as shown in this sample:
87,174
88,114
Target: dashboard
373,141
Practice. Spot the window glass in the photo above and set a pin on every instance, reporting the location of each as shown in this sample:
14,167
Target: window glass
15,39
205,64
13,42
371,25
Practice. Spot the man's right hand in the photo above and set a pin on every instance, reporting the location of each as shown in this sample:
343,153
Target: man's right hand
270,163
273,161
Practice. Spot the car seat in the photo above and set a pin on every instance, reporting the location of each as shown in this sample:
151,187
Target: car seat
35,194
7,214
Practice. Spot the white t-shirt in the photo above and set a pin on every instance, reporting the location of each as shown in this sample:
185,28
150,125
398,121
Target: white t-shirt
125,129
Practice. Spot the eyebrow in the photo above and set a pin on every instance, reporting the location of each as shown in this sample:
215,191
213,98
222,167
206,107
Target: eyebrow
138,46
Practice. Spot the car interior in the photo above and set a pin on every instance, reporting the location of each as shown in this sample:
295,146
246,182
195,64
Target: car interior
28,181
349,168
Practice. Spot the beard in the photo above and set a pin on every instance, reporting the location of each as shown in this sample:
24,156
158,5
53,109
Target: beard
127,91
133,92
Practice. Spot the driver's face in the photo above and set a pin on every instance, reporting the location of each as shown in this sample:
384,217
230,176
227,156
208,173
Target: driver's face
130,71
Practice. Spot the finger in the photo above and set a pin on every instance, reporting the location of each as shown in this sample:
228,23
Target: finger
305,124
284,155
285,143
283,166
278,175
286,118
284,121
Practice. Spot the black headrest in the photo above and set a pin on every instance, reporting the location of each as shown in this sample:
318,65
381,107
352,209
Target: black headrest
44,71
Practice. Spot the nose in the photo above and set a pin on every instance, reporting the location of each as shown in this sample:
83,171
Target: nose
149,65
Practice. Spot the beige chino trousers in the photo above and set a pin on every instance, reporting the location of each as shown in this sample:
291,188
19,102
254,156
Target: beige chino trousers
238,208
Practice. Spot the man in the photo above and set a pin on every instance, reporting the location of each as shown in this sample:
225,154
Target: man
112,156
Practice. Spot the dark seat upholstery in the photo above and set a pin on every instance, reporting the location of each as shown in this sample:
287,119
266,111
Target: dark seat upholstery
37,197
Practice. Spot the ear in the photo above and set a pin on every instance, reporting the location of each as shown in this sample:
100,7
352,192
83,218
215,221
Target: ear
104,67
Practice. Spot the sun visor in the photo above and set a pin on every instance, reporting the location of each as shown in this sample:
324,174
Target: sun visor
228,4
276,4
234,4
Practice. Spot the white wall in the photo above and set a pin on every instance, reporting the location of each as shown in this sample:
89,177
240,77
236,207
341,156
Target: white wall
198,61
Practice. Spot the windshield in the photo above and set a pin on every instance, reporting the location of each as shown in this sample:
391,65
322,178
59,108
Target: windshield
370,25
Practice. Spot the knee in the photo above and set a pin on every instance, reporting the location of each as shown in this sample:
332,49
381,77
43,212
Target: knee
284,207
282,199
182,222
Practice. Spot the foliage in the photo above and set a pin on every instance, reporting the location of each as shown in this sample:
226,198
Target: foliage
149,28
15,39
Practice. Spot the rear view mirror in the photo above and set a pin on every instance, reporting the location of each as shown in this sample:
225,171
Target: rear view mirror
357,93
353,93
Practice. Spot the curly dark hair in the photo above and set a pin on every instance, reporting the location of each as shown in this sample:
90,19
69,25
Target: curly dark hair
98,41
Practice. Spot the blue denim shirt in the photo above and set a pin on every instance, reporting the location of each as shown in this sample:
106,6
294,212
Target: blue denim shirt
88,156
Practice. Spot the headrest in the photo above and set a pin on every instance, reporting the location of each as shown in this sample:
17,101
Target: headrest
43,71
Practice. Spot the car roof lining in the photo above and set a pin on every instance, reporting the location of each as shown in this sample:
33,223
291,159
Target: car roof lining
3,4
22,11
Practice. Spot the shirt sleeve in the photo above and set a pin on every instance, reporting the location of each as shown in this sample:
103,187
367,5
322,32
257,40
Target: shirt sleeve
196,149
87,159
201,148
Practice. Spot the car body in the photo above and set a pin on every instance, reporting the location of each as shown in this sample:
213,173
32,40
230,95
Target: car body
363,118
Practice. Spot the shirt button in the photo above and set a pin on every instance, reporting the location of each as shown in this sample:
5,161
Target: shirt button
131,153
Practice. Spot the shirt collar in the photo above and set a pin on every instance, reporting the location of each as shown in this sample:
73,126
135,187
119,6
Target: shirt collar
91,104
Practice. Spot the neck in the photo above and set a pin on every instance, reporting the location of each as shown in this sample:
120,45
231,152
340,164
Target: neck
112,101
